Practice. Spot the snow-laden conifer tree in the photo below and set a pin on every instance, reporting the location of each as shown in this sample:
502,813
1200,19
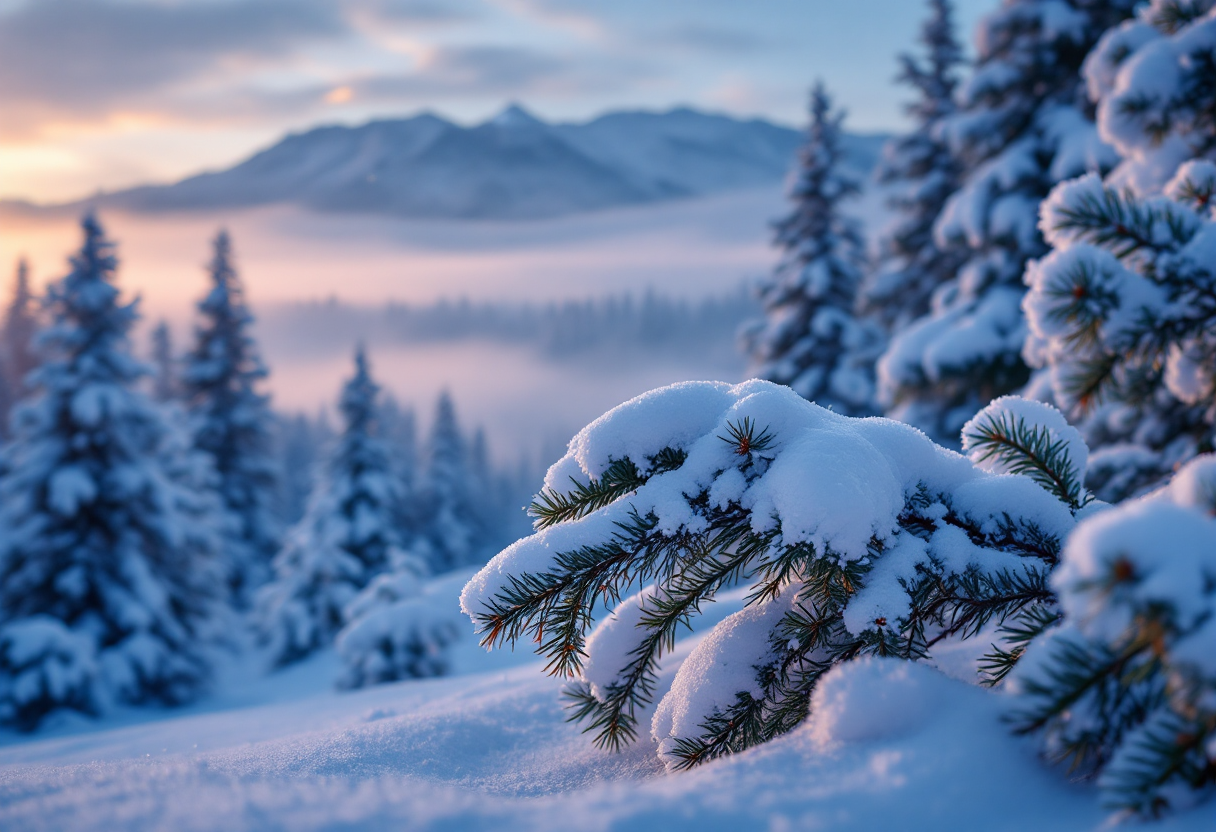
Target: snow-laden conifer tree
1126,685
400,431
1154,81
166,384
855,536
1122,316
397,630
300,446
809,338
347,536
109,586
1023,125
231,421
451,535
922,171
17,356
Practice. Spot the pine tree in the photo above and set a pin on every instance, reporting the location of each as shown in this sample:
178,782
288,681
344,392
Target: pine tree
1122,316
400,432
346,538
232,421
452,536
299,444
108,582
165,383
922,171
855,536
17,355
1125,685
809,338
1154,81
1023,125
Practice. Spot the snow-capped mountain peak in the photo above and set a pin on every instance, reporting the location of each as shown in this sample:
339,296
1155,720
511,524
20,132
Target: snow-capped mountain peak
514,115
514,166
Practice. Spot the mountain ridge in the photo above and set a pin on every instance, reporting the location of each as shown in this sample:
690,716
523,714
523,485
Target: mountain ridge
513,166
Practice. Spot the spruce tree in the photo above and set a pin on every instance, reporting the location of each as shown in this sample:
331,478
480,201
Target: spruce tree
231,421
922,172
1122,316
166,385
1023,125
809,338
300,444
1123,683
451,535
346,538
854,536
1154,82
108,583
17,357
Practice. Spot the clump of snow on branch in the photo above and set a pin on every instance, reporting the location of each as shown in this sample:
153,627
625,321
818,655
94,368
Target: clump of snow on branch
1154,81
1121,316
857,536
1127,684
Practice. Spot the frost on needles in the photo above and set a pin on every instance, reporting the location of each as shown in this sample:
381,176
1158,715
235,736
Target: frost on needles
855,536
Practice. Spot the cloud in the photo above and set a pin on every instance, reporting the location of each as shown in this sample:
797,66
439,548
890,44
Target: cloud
86,56
496,73
711,39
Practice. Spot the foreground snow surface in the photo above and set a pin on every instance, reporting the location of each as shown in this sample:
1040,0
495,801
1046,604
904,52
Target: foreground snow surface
892,746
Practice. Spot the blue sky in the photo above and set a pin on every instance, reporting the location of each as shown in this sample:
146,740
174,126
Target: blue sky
106,93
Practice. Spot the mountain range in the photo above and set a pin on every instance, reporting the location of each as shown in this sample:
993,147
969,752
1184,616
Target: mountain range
513,166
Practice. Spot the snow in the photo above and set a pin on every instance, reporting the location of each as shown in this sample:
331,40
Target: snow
889,743
1013,409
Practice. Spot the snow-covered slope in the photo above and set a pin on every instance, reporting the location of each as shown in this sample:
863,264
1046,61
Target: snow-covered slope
513,166
891,746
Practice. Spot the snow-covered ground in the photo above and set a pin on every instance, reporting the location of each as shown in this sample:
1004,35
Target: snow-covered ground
892,746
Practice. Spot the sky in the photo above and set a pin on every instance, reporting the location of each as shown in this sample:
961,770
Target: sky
103,94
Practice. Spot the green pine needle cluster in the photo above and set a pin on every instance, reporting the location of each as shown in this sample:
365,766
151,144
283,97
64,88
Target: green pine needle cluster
554,609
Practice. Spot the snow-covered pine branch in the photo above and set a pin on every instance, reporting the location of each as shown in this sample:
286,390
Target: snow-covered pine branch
855,536
809,337
1023,125
348,535
1122,314
1127,684
110,587
1154,81
232,422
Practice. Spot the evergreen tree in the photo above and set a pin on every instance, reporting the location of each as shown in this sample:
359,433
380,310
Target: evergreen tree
165,383
1122,316
300,442
809,338
1023,125
108,585
855,536
1154,81
1125,685
232,421
922,171
17,355
346,538
452,535
399,429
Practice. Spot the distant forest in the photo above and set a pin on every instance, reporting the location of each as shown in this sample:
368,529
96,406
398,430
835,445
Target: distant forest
650,323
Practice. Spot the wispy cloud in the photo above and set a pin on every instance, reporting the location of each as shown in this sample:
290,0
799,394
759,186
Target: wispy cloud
84,57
